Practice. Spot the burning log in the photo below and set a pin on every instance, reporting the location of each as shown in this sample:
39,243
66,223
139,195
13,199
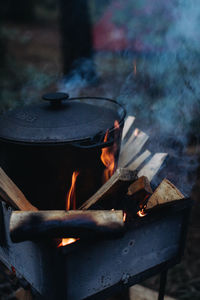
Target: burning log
58,224
166,192
140,188
12,195
137,195
118,183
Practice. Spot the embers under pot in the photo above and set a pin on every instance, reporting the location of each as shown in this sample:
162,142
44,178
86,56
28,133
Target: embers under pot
42,145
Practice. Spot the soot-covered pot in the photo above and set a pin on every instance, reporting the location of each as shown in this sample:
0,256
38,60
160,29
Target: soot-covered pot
42,145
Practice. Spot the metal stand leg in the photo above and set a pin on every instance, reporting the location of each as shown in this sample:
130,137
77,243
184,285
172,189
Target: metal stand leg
163,280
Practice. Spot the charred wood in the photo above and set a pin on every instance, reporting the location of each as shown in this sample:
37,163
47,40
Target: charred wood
112,191
137,195
63,224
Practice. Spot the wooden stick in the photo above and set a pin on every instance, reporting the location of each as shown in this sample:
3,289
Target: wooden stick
58,224
118,183
141,185
153,166
165,192
138,292
139,160
127,125
131,149
137,195
12,195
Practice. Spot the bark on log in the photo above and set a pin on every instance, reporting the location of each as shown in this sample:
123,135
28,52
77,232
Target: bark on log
12,195
115,186
165,192
63,224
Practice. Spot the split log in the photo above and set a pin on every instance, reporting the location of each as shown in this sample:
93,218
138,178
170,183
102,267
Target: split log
138,292
127,125
115,186
140,188
12,195
137,195
166,192
139,160
22,294
58,224
153,166
132,147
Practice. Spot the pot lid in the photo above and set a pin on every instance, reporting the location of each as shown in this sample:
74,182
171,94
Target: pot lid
58,121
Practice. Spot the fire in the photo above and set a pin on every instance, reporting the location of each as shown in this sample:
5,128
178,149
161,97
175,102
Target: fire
124,216
136,132
71,196
108,156
70,202
141,213
67,241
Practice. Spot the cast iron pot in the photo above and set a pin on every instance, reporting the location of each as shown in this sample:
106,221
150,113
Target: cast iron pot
42,145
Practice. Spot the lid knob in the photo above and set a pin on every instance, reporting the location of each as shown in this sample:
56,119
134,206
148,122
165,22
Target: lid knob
55,98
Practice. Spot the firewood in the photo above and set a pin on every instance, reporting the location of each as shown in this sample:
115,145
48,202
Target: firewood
63,224
139,160
153,166
12,195
140,188
22,294
165,192
138,292
118,183
127,125
137,195
132,147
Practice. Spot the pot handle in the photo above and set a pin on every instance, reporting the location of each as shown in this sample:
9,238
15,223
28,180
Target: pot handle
89,145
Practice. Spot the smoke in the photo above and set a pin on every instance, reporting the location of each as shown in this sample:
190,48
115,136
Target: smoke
164,95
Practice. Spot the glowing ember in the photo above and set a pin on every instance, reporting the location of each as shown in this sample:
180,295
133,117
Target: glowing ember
124,217
108,156
141,213
66,242
116,124
71,196
136,132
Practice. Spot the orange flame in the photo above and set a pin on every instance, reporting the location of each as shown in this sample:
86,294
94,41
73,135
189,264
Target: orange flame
124,217
71,196
136,132
67,241
108,156
141,213
71,201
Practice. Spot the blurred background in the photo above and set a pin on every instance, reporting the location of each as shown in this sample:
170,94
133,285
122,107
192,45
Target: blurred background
145,54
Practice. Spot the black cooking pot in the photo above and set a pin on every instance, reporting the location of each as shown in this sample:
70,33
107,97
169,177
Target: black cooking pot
42,145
